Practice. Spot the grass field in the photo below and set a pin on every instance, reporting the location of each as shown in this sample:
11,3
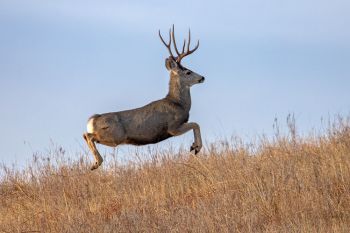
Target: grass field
285,184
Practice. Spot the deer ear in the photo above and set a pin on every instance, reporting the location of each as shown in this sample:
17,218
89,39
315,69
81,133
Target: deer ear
170,63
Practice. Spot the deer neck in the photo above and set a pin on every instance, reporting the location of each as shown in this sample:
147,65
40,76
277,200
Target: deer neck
179,93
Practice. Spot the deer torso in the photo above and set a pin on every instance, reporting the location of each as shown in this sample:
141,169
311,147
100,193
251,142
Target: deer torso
140,126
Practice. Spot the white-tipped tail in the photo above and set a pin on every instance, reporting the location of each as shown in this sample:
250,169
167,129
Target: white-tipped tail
90,125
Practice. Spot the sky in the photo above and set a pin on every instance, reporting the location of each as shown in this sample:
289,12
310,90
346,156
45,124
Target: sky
63,61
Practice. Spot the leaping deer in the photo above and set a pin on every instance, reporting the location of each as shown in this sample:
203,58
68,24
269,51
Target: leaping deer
155,121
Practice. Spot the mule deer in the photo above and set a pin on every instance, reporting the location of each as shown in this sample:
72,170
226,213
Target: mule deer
157,120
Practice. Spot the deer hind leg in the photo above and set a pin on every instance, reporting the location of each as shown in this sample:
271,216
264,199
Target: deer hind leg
197,145
90,140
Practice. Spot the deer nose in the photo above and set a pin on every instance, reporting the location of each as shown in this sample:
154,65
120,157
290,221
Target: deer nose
202,80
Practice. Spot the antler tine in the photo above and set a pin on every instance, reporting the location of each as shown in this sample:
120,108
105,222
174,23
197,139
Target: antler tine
183,47
189,39
168,45
189,42
188,52
195,48
173,36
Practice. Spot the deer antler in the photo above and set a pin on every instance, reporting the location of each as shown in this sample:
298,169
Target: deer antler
168,45
183,53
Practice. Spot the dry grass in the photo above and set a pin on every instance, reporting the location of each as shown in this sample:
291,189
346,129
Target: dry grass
287,184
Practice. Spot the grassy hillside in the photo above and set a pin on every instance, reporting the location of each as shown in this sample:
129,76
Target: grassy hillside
286,184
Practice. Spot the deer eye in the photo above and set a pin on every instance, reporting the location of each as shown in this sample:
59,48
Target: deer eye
188,72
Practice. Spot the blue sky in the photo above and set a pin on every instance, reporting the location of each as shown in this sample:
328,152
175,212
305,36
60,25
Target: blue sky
62,61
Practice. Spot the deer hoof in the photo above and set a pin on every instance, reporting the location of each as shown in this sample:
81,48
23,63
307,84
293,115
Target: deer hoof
96,165
195,148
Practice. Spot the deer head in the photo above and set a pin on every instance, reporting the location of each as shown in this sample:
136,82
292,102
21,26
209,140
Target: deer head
185,76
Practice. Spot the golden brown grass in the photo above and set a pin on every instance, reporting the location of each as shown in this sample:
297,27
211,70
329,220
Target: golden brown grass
286,184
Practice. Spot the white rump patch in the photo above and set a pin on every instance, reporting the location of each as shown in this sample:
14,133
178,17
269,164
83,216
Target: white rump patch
90,125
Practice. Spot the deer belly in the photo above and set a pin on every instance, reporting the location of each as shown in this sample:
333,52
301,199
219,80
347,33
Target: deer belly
145,141
147,137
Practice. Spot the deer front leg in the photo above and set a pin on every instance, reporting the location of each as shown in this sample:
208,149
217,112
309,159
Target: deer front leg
197,145
90,141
